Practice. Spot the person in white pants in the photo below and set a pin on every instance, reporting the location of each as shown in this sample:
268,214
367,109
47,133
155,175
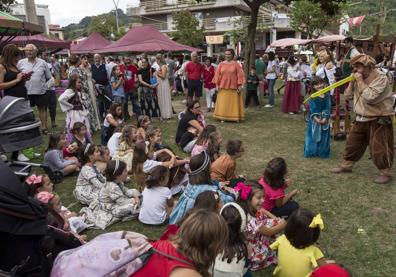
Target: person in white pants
209,87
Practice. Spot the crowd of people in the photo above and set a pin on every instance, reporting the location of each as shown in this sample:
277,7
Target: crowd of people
218,222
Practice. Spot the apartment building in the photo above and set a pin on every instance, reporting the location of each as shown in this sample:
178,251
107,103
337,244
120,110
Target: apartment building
43,14
216,16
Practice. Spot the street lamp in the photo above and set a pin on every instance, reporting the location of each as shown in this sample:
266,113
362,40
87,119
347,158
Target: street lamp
116,12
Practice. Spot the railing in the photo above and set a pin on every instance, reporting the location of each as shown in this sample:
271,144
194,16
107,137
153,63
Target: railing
167,4
209,24
160,26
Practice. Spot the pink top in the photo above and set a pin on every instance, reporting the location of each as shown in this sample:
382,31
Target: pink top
271,195
198,149
229,75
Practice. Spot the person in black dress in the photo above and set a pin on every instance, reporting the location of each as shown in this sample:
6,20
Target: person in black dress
148,98
12,81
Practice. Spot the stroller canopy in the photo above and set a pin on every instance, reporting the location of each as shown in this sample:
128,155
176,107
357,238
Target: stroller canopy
18,127
15,112
19,214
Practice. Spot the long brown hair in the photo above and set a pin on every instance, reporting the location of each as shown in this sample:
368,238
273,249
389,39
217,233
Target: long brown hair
201,237
203,177
127,135
204,135
9,54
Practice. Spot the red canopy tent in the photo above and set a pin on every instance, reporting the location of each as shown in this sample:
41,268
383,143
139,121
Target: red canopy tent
41,41
146,39
91,44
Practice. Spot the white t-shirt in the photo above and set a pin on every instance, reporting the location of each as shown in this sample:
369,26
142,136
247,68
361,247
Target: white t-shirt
114,143
149,165
271,75
153,209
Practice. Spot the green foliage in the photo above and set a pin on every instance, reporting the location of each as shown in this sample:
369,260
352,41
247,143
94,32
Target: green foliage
103,24
309,17
371,9
5,5
188,29
83,28
330,7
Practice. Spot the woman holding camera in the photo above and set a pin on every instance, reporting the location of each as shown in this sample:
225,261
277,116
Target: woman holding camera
12,81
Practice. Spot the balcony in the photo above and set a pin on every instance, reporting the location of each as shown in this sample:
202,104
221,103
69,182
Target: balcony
169,6
219,25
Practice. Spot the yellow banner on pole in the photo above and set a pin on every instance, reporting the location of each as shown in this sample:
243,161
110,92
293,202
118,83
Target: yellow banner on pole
333,86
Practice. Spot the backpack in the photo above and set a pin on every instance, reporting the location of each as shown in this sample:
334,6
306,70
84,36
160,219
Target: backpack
112,254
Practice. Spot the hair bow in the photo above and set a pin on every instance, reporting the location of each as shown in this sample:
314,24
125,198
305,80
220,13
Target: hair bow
44,196
243,190
34,179
317,222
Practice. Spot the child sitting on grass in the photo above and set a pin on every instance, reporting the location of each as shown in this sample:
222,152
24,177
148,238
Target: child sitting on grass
115,202
127,143
38,183
261,226
157,201
297,254
90,180
275,183
143,125
54,156
223,168
104,158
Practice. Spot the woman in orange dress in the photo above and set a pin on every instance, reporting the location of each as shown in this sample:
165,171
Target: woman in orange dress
229,79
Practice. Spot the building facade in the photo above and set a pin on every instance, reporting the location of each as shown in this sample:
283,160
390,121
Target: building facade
56,30
217,17
43,14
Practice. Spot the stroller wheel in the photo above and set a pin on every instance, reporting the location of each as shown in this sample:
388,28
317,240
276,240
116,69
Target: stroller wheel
56,177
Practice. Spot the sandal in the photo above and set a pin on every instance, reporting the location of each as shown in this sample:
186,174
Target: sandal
44,131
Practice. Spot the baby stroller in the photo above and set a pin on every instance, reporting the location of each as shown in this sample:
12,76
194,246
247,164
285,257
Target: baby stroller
20,130
22,230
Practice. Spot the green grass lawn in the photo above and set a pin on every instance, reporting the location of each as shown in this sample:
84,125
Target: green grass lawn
348,203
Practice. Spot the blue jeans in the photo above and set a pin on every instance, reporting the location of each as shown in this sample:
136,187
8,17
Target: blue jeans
285,210
271,98
133,96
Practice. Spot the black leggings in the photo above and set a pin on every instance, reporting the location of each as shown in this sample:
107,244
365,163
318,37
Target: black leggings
52,102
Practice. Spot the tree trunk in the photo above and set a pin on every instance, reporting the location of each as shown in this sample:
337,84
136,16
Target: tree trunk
250,47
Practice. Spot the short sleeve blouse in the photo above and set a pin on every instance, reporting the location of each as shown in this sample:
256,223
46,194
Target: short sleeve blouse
271,195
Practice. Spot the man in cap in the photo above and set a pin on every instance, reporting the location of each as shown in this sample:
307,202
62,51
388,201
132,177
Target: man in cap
373,104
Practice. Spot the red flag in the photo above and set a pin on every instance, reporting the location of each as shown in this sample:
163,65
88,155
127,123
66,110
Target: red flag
356,21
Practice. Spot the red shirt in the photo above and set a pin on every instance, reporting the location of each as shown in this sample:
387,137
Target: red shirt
161,266
129,73
194,71
209,74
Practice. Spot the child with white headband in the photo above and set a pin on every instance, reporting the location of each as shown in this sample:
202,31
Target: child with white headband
232,262
90,180
115,201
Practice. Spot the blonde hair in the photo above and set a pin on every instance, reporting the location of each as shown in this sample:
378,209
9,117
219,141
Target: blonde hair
201,237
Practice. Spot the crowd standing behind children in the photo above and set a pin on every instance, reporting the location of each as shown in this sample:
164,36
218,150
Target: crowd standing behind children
219,224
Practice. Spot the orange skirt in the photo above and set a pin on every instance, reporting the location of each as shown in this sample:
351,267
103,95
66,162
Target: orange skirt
229,106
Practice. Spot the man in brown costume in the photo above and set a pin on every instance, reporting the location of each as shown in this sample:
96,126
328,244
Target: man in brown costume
373,103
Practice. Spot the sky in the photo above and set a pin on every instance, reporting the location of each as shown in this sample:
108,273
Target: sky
64,12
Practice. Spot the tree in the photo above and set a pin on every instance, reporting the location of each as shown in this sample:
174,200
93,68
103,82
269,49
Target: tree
103,24
330,7
5,5
188,29
309,18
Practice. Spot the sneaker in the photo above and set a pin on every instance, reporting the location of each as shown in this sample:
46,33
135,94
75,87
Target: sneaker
184,101
268,106
23,158
36,155
291,113
3,157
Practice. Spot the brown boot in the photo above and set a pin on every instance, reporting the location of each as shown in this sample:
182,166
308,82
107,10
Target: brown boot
338,170
383,179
